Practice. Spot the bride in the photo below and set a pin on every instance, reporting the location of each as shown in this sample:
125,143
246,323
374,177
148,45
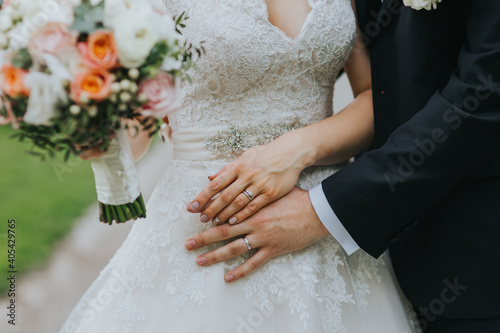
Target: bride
270,67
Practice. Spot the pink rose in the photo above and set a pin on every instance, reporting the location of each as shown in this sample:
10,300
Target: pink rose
94,83
100,50
162,94
51,38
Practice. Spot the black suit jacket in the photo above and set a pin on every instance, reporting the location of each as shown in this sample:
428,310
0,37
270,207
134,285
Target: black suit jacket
429,188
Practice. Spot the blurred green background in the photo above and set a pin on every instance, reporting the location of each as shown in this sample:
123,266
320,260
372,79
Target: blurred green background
45,199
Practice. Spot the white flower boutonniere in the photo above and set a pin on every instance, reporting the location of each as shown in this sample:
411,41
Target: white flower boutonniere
422,4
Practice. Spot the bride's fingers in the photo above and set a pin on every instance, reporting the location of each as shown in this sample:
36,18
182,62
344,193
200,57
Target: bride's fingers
216,234
188,206
231,250
249,266
217,174
253,207
226,197
214,187
240,203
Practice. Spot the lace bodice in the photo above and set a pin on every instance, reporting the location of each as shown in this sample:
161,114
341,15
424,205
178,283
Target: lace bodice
252,71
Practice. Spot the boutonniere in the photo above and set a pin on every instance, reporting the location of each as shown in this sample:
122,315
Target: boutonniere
422,4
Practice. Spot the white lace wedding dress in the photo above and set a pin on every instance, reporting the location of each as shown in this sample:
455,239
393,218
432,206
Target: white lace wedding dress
253,84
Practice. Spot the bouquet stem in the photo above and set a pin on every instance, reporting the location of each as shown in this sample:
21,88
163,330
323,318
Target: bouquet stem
117,183
122,213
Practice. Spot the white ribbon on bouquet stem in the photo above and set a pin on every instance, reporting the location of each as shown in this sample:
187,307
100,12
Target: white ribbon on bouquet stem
116,178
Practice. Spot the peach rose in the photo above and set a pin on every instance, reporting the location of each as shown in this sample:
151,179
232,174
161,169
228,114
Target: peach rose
51,38
13,81
94,83
162,94
100,50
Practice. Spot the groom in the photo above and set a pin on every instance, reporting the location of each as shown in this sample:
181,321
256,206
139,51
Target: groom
429,190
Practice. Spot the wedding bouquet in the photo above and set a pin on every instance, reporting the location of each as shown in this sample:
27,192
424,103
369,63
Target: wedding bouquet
72,73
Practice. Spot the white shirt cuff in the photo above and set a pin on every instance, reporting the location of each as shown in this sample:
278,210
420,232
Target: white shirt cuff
331,221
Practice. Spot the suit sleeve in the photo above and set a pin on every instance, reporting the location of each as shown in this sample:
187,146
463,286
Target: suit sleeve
388,188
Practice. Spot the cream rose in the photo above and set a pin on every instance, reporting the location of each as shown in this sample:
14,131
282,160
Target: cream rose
114,8
5,22
158,6
165,26
135,36
37,13
422,4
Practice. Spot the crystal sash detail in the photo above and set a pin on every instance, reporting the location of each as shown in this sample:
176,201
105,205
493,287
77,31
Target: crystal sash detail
211,144
234,141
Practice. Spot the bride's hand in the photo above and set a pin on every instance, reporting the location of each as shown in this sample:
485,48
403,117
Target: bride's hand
266,173
138,138
91,153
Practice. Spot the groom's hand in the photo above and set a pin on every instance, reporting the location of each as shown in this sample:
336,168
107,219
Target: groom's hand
284,226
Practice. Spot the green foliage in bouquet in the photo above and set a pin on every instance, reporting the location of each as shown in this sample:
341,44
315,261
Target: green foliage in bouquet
88,18
82,126
81,79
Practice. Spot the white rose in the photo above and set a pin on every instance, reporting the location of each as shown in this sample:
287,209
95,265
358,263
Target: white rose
40,12
18,37
165,26
5,22
46,91
135,36
158,6
9,11
14,9
421,4
113,8
171,64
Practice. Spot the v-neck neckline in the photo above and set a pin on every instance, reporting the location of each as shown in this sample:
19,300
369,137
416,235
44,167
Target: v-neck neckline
281,32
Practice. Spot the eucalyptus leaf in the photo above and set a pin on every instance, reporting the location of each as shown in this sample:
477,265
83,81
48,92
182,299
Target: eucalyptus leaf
22,59
88,18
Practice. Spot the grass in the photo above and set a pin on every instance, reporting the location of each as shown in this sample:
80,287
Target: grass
44,198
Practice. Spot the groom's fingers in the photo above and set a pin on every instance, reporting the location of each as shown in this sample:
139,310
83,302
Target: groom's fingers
253,207
249,266
228,251
216,234
240,202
